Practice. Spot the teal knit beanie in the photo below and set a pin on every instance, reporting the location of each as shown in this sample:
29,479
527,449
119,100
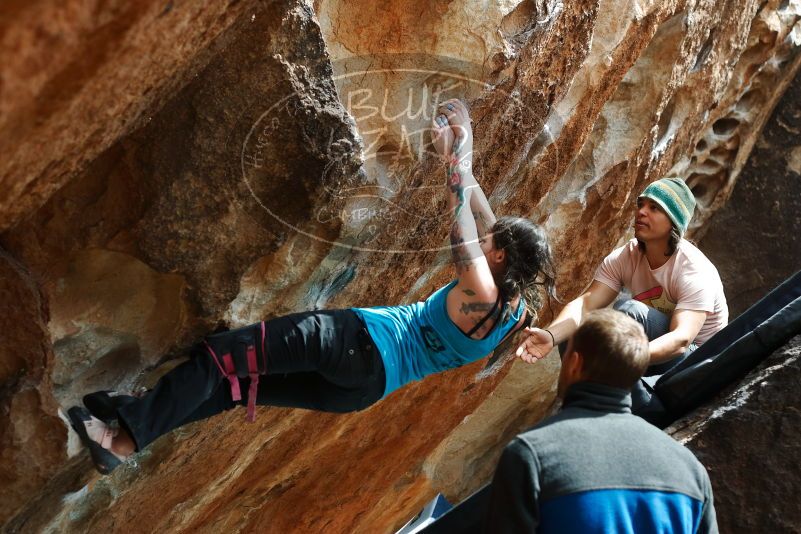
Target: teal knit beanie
675,198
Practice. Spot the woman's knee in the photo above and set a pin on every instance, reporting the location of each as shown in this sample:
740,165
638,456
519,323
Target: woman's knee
653,321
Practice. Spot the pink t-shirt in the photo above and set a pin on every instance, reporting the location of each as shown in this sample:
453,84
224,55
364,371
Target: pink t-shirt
688,281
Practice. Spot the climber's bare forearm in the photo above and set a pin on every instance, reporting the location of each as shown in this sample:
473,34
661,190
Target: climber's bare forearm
482,212
464,235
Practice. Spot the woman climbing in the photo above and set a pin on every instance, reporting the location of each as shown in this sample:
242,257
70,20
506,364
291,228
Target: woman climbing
346,360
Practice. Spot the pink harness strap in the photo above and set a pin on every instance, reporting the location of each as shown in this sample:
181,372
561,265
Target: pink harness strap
230,374
228,370
253,372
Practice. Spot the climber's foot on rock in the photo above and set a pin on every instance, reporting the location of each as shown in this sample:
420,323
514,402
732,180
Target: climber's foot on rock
97,437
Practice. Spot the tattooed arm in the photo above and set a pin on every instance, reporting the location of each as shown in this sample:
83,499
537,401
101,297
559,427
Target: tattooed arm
475,277
462,162
464,236
482,213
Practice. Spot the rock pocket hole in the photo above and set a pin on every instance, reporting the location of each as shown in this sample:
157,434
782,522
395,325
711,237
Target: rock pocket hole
709,166
705,187
720,154
749,100
733,143
699,190
725,126
757,54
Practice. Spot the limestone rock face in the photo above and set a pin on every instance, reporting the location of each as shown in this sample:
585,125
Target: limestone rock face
173,167
748,441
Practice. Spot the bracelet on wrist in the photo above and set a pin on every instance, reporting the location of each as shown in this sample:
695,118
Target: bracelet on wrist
553,339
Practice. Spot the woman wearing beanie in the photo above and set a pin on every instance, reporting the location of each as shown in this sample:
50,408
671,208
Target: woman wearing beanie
675,291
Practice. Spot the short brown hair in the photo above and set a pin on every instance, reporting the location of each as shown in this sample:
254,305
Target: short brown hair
614,347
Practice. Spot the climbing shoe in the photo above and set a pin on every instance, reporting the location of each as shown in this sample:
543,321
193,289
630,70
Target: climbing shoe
97,437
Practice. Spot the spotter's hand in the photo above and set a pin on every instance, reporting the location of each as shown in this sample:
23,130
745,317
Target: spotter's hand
537,345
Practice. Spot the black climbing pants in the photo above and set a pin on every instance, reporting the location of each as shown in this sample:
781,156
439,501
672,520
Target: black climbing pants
321,360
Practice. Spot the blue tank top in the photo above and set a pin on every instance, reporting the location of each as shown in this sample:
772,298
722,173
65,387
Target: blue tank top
419,339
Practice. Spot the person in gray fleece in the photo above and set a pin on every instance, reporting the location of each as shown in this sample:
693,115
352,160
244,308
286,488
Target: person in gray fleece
595,467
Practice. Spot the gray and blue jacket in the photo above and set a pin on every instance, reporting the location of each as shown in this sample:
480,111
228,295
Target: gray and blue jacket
595,467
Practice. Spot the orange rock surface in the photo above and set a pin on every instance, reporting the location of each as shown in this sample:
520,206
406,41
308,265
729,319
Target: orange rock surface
171,166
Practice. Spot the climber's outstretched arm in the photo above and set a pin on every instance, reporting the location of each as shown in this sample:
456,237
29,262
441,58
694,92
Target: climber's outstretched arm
482,212
453,139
